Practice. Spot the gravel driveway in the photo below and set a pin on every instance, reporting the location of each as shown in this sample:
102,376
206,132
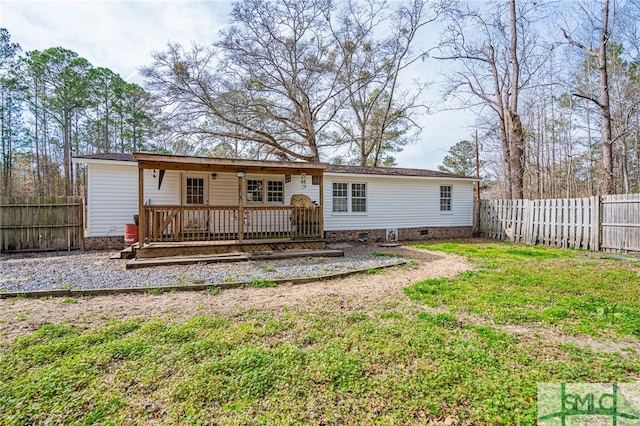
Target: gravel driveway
94,270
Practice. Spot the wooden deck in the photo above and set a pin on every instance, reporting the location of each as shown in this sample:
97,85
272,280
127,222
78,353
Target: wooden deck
167,223
199,248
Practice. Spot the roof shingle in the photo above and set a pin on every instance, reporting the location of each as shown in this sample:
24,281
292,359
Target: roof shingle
112,156
392,171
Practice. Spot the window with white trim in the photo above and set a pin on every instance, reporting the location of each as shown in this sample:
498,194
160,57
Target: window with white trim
340,197
445,198
359,197
257,192
194,191
254,190
275,191
349,197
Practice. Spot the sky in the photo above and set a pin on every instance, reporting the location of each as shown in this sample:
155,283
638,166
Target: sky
121,35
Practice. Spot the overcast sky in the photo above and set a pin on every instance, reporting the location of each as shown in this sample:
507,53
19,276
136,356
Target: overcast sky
120,35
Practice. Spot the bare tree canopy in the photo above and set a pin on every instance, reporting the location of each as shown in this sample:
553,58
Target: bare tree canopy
302,78
499,54
554,88
379,118
272,79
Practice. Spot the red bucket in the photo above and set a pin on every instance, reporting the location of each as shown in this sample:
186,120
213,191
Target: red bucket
130,234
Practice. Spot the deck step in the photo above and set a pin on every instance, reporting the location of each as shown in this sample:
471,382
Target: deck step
186,260
287,254
193,248
127,253
229,257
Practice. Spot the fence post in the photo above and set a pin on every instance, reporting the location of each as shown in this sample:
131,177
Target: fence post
476,218
82,222
595,223
526,221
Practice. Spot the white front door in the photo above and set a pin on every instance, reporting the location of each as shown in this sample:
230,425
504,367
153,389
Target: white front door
195,192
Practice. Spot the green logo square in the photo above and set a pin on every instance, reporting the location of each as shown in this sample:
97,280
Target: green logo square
568,404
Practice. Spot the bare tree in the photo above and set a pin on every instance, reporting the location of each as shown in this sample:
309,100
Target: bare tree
272,79
379,117
602,99
498,51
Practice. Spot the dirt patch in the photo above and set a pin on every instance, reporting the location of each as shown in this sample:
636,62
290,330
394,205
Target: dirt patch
20,316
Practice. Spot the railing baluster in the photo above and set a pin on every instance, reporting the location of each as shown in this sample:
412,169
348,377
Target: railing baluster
215,223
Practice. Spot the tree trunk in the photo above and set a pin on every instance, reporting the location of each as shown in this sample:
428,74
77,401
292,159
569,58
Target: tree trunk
516,134
506,157
66,139
605,107
516,154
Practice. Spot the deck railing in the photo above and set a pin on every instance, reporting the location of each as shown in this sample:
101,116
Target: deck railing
217,223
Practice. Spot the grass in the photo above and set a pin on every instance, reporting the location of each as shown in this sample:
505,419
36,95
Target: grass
383,363
297,367
516,284
213,290
262,283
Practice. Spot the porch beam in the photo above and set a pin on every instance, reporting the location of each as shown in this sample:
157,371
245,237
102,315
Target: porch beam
174,162
240,209
142,222
210,168
321,209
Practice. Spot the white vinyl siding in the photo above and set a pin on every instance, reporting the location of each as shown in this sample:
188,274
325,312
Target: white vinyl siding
400,202
223,190
112,195
391,201
295,186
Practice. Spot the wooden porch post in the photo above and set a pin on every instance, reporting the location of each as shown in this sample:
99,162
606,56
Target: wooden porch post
240,209
321,212
142,222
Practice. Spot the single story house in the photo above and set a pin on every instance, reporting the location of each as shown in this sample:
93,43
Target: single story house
183,198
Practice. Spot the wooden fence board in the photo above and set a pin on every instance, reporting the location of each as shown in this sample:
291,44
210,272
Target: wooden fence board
621,223
41,223
610,223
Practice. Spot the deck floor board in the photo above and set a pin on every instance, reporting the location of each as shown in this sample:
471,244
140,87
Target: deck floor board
229,257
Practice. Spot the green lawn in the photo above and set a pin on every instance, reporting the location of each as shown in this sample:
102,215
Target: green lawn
574,291
393,363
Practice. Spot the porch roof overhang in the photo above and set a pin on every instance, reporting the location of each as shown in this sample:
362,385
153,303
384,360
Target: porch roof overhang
206,164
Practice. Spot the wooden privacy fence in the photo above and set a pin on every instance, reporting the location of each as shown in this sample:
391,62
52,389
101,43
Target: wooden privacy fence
620,223
610,223
41,223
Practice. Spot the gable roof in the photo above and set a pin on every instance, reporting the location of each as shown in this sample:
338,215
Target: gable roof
334,168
